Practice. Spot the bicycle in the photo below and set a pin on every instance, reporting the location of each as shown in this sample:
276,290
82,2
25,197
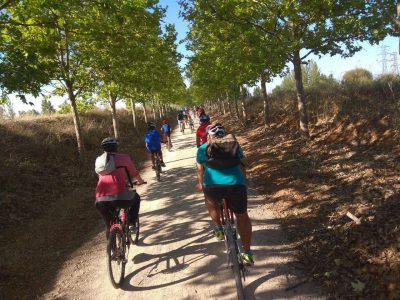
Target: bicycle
118,244
234,259
157,166
191,125
167,140
182,126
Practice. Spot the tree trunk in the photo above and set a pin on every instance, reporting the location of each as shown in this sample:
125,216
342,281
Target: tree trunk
77,123
113,100
153,109
301,98
229,103
243,104
265,100
134,119
236,107
162,110
223,107
144,112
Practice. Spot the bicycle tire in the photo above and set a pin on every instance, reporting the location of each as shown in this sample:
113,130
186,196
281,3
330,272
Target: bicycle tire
118,258
233,252
137,223
158,171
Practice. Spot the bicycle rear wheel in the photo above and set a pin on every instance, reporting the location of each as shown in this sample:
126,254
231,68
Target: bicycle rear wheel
233,257
158,171
136,237
116,260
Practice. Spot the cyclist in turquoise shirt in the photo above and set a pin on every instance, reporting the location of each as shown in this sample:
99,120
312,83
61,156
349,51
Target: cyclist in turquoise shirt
229,183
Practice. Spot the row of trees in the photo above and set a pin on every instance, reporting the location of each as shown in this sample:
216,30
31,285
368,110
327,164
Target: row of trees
111,50
237,43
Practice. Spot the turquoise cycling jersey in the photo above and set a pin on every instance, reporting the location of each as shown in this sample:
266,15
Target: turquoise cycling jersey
227,176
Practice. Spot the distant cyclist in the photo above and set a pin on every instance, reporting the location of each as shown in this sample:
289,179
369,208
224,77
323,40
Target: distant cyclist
166,130
191,123
153,143
181,120
200,111
111,190
201,136
220,174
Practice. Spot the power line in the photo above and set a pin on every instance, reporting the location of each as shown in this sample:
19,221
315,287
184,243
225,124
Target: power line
394,67
384,59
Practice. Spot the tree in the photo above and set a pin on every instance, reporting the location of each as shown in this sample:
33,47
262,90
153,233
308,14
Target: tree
47,107
313,27
357,75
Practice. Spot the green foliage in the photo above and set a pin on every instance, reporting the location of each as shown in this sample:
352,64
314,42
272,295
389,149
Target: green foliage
47,107
257,92
83,104
235,41
311,74
357,75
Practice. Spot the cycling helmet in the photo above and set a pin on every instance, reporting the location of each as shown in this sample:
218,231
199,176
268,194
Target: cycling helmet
164,121
204,119
216,129
109,144
151,125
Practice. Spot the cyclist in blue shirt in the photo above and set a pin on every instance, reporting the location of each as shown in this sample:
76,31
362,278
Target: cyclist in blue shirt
225,182
166,130
153,144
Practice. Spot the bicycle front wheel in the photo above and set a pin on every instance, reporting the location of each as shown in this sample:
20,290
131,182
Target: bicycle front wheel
234,259
116,260
158,171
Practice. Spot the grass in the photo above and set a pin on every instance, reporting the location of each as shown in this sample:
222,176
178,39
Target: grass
47,197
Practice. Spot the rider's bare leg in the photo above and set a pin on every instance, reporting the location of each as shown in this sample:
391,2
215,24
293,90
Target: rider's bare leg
245,228
214,211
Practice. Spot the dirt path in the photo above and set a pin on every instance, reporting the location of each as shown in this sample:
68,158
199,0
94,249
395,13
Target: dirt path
177,257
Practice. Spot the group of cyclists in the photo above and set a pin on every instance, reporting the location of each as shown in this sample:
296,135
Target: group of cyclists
218,176
185,117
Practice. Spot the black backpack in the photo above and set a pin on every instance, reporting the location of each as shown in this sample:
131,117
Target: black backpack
222,152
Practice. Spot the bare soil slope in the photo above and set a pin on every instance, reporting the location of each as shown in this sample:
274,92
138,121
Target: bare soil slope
47,196
350,165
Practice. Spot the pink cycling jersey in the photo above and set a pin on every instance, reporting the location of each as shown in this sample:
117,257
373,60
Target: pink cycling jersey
113,186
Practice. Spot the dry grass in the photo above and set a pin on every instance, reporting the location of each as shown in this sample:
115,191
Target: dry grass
351,164
47,197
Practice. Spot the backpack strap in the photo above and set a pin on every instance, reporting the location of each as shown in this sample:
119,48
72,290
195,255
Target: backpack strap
127,174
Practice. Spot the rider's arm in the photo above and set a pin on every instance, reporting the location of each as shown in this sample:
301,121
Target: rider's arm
200,175
242,162
197,141
139,179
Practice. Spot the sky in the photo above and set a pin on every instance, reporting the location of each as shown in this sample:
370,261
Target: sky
370,57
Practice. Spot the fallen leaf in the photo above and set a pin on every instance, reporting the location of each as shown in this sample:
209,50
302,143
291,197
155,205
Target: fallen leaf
358,286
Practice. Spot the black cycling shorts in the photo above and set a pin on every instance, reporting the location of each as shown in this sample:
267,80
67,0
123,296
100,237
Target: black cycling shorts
235,194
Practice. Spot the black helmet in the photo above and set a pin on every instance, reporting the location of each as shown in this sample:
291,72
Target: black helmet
204,119
151,125
109,144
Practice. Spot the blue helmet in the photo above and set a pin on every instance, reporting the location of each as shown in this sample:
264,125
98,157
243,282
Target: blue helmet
204,119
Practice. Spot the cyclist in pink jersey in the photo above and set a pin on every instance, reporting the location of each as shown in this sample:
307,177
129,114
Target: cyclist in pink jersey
111,190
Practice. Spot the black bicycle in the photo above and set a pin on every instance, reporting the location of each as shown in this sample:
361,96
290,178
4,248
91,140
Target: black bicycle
158,166
234,259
